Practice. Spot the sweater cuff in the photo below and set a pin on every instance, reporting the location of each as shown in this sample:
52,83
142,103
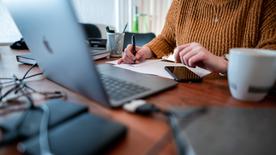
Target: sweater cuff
159,48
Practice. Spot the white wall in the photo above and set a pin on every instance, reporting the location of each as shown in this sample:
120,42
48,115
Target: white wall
119,12
107,12
8,30
96,11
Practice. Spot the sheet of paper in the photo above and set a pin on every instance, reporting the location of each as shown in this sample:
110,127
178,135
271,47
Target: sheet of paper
157,67
169,58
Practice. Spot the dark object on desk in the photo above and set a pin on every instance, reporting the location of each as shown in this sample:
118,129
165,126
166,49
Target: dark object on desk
19,45
228,131
99,53
84,135
96,53
97,42
140,38
109,30
182,74
26,59
60,111
91,30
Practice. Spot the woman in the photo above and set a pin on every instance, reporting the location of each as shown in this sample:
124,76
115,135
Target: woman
201,32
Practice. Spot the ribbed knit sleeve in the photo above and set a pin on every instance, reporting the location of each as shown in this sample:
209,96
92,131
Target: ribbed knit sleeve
268,26
164,43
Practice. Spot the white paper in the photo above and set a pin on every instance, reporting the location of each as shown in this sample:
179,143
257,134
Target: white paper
157,67
169,58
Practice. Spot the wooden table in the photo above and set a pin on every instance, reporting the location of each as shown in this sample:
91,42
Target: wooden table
143,132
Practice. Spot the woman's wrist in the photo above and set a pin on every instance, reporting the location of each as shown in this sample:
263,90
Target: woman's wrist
148,52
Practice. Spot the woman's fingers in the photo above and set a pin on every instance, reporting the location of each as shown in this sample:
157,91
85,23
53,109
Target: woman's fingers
177,51
194,60
140,56
182,50
187,52
125,60
129,58
120,61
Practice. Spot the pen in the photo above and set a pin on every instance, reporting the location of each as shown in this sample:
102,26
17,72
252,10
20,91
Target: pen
133,48
125,28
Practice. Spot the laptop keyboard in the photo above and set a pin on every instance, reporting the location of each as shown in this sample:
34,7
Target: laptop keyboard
119,89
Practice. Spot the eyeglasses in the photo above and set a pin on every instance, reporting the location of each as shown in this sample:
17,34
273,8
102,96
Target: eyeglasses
16,94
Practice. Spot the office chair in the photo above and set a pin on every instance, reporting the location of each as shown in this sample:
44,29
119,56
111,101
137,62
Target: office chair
19,45
141,38
91,30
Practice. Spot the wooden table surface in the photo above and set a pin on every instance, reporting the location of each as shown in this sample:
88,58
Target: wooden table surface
143,132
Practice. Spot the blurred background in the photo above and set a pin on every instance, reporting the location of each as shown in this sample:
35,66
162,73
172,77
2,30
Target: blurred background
141,16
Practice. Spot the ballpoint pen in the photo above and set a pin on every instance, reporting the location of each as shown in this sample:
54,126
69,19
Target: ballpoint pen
125,28
133,48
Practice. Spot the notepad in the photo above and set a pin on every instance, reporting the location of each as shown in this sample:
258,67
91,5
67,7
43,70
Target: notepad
96,52
157,67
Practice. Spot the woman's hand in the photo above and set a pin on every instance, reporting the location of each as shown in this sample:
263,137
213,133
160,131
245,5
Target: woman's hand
194,54
142,53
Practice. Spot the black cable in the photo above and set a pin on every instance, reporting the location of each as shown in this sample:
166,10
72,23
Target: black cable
29,88
6,78
20,86
183,147
8,85
29,98
8,82
8,92
43,131
16,82
23,78
33,75
13,89
11,136
181,143
1,87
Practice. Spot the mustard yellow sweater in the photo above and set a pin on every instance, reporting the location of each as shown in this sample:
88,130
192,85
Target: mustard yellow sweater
218,25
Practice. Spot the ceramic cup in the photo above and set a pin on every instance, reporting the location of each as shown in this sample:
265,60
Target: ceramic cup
251,73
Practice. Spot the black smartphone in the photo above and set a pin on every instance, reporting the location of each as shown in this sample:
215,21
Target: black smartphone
182,74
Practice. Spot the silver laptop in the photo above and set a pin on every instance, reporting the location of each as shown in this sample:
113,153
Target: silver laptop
57,41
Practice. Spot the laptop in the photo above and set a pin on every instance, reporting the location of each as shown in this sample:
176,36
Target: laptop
57,41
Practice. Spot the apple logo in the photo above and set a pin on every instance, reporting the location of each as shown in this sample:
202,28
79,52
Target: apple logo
47,45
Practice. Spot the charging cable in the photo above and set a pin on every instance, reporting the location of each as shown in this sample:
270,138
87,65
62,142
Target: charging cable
141,107
43,135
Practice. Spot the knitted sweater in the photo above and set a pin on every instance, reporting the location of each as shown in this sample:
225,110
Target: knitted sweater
218,25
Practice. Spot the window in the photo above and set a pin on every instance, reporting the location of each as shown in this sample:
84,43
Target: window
149,15
8,30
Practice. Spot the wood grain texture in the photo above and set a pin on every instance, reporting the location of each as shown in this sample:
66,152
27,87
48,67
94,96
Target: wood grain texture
143,132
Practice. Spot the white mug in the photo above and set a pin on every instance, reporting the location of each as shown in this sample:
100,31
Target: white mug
251,73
